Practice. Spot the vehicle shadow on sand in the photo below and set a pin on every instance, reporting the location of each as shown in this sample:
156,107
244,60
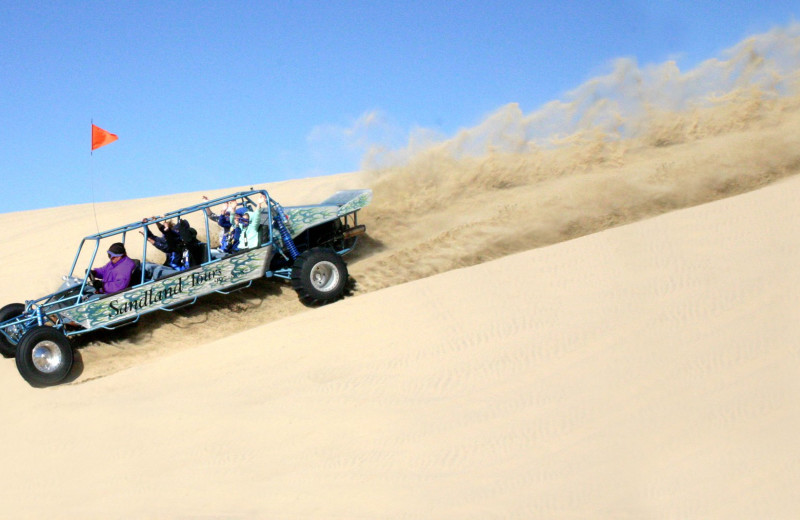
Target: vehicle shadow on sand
212,317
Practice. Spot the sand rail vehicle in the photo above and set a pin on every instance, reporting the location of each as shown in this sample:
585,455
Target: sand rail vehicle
302,245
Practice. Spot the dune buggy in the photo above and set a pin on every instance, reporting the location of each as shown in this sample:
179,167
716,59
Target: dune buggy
303,245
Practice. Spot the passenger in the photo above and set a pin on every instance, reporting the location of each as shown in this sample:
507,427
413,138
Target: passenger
193,252
168,243
249,222
190,252
116,274
229,238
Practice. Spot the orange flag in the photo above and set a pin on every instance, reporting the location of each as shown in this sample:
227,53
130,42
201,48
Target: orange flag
101,138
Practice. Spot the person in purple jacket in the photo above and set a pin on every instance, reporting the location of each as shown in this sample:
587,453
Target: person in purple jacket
116,274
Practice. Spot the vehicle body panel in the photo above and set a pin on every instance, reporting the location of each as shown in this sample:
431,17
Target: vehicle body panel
174,290
301,218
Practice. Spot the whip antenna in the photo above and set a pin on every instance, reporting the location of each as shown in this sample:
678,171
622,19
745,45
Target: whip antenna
91,181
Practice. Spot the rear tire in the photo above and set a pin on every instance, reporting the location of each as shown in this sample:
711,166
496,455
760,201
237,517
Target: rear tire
10,311
44,356
319,276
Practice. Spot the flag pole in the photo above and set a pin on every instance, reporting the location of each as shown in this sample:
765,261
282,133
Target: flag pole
91,174
103,138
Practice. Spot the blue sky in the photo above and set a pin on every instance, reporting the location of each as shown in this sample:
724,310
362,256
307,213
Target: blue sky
207,95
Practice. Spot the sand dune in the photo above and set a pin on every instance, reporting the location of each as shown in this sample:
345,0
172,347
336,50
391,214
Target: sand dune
600,324
645,371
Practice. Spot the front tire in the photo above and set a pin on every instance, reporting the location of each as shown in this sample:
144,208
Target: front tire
44,356
11,311
319,276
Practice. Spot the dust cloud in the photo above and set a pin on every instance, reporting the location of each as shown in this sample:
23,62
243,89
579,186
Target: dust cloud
633,144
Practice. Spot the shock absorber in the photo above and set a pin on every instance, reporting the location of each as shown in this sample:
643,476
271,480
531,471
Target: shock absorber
280,221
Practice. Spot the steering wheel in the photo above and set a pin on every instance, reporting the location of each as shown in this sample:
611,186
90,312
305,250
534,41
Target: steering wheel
91,278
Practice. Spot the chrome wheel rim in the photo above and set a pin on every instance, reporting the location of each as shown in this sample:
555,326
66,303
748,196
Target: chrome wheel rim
324,276
47,357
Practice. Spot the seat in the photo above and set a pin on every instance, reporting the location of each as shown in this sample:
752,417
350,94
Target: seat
136,274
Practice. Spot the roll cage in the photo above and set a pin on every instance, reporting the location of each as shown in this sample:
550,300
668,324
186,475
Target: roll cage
76,288
245,196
